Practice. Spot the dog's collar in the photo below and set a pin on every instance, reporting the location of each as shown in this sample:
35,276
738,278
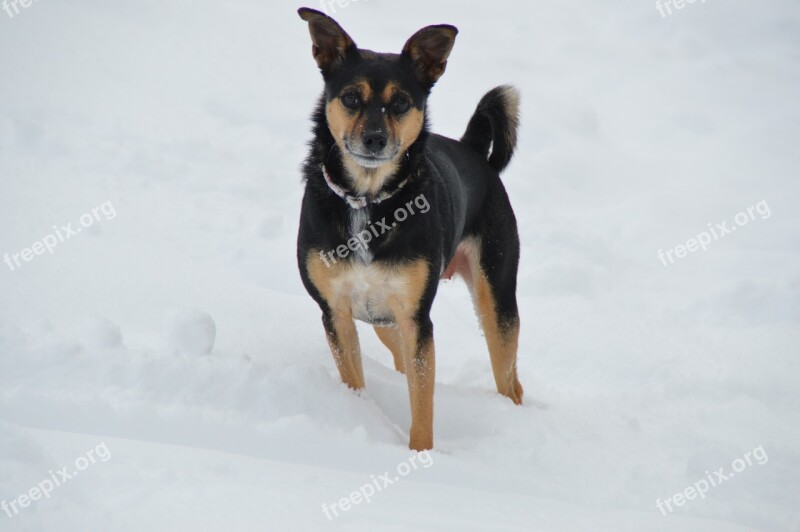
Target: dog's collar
359,202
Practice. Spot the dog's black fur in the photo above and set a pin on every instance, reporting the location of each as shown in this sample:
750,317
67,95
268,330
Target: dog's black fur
459,179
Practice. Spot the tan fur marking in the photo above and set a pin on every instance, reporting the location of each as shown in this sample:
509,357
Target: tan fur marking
406,304
366,90
323,276
340,121
388,92
368,180
409,127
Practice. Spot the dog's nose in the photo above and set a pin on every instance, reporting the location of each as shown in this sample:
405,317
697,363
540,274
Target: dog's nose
374,141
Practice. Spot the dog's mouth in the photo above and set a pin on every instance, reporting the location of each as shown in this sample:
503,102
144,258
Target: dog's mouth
368,160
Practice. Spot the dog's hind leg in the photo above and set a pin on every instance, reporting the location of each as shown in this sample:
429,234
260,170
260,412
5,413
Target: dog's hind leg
390,337
492,282
502,338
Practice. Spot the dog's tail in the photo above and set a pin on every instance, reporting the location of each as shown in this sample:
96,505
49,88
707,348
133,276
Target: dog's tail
492,130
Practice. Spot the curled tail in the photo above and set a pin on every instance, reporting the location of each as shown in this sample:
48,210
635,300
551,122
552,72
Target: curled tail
492,130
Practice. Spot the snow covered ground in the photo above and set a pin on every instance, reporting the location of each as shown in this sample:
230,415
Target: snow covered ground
183,124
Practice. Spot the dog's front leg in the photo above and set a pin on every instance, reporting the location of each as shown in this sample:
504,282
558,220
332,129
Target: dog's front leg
411,310
419,361
340,329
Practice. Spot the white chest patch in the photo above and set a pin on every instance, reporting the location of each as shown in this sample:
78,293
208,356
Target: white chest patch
370,287
358,224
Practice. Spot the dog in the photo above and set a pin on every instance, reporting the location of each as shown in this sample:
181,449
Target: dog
390,208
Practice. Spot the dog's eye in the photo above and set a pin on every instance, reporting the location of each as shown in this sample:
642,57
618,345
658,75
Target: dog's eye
351,101
401,106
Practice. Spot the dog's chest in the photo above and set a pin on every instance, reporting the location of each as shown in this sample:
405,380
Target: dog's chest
371,290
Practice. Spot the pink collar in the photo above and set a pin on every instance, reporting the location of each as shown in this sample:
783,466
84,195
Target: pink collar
359,202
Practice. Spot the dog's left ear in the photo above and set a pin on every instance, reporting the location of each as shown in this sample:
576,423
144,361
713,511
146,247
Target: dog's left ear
429,49
330,43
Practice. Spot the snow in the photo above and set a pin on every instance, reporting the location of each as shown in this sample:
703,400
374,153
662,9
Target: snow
177,333
191,332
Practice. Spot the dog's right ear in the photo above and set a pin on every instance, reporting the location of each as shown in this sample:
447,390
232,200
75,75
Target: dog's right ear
330,42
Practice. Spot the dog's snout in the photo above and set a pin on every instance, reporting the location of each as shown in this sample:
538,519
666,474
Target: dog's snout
375,141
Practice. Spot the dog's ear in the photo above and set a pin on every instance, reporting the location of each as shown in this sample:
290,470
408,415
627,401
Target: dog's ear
330,43
429,49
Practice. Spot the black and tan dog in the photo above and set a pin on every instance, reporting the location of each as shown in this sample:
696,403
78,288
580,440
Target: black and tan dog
390,208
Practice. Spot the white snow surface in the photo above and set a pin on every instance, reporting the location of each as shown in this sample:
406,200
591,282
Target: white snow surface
191,120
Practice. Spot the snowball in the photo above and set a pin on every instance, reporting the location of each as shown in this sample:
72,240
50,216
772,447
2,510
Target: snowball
191,332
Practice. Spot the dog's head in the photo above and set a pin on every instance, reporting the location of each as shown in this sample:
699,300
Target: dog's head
375,102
